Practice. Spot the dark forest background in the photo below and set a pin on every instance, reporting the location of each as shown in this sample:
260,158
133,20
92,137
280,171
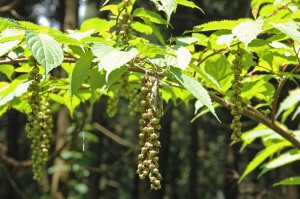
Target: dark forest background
196,160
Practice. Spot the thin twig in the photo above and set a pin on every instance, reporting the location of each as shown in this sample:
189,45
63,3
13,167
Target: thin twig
278,91
19,60
9,7
113,136
259,117
13,183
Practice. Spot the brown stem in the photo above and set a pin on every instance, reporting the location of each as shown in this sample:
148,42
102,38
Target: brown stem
259,117
22,60
9,7
278,91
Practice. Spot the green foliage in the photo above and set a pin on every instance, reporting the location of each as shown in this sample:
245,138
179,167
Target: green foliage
45,50
202,67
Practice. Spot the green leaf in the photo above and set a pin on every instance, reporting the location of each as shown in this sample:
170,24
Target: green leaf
155,31
111,58
195,88
182,58
5,47
189,4
289,181
255,5
151,16
248,30
259,131
216,25
291,100
262,156
141,27
290,29
219,68
6,23
167,6
8,70
283,159
15,89
80,72
45,50
207,77
150,50
96,24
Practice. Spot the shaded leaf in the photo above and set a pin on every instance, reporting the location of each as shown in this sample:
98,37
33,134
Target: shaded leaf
289,181
80,72
45,50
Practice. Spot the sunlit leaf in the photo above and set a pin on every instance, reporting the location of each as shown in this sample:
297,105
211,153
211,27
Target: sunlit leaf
290,29
283,159
289,181
151,16
196,90
262,156
111,58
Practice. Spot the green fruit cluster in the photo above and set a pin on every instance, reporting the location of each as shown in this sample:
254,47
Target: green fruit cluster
39,126
124,22
236,98
151,112
129,93
112,104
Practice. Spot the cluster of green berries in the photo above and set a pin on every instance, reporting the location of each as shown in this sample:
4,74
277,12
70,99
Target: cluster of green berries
39,126
112,104
129,93
236,98
151,112
124,22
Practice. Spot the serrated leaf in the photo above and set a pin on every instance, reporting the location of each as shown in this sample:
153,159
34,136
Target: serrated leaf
195,88
185,41
81,35
7,46
225,39
141,27
289,181
80,72
151,16
6,23
216,25
167,6
292,99
283,159
255,5
289,28
248,30
262,156
111,58
189,4
207,78
45,50
182,58
219,68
